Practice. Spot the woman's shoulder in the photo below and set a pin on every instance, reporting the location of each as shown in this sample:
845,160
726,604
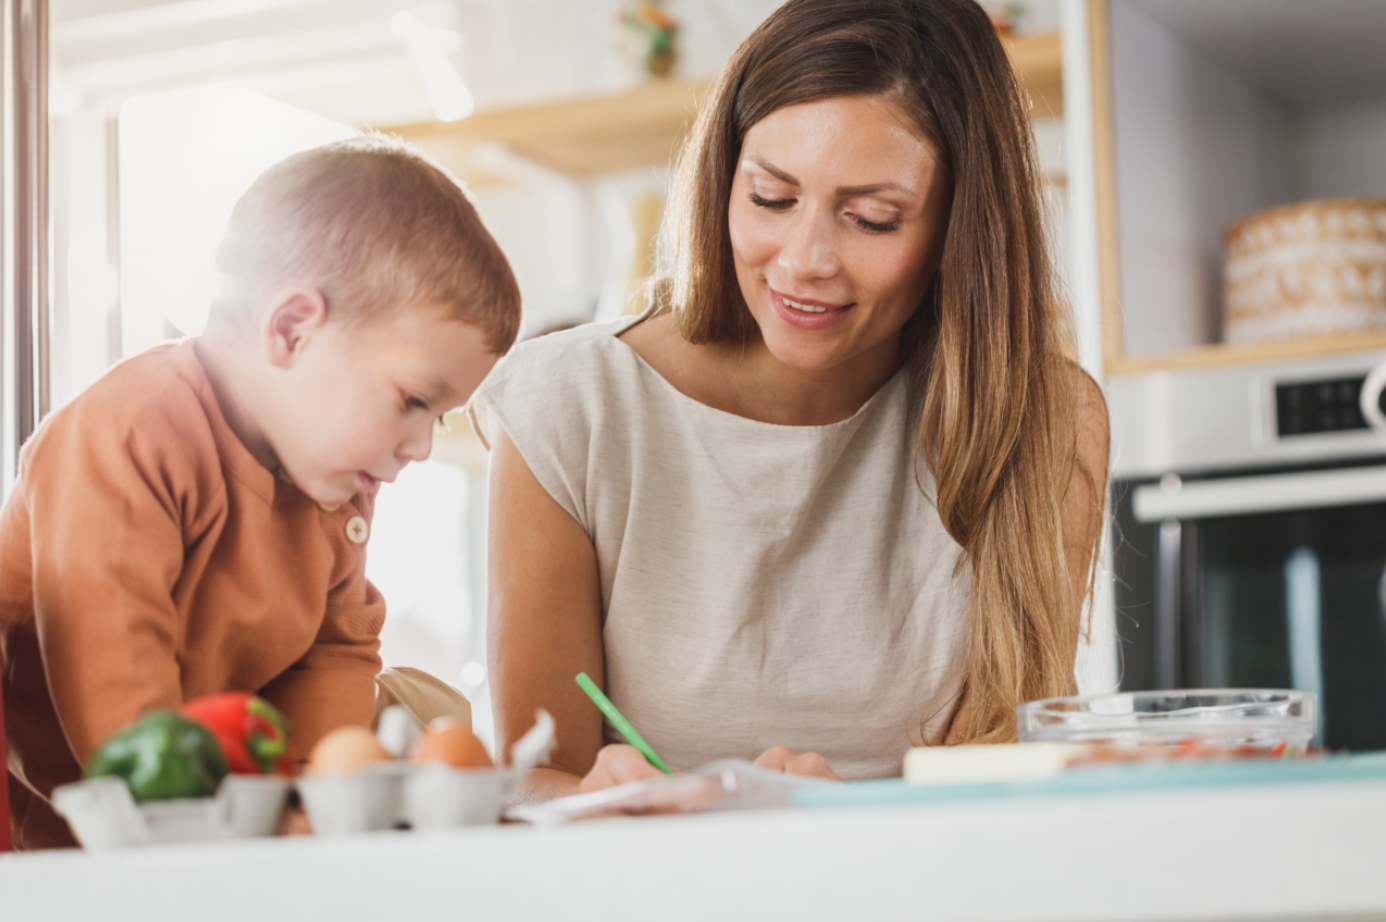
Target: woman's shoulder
576,343
578,357
655,338
701,373
557,383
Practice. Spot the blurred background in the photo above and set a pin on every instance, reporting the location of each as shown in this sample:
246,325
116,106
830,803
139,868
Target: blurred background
1215,182
561,116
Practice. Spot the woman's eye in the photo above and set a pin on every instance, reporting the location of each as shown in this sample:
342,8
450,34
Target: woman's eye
779,204
875,227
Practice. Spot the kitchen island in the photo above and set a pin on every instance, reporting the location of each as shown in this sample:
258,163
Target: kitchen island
1304,851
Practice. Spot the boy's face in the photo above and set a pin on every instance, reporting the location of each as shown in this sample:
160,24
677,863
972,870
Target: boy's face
358,402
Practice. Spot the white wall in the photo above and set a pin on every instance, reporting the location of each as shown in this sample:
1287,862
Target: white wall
540,50
1338,148
186,156
542,220
1196,148
86,331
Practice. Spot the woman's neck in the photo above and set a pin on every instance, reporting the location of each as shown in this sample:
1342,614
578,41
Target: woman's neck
768,390
747,380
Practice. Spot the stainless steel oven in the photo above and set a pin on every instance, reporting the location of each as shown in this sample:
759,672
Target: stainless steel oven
1250,533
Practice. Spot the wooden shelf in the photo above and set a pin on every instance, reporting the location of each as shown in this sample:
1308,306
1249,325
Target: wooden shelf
586,136
645,126
1227,353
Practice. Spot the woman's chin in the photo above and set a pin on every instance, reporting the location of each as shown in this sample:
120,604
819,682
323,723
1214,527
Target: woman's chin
809,357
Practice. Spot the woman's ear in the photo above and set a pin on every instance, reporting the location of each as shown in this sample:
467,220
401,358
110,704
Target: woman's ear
295,314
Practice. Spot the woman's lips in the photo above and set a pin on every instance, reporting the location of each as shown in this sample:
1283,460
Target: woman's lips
806,314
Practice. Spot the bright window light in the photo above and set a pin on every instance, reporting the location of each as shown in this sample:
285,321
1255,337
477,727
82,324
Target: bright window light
185,157
447,93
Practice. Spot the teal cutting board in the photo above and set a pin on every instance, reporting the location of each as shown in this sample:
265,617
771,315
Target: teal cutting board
1103,779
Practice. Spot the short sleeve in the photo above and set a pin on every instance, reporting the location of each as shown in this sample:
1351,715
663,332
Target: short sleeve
550,396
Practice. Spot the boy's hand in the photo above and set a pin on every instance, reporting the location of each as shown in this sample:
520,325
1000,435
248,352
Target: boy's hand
782,759
617,764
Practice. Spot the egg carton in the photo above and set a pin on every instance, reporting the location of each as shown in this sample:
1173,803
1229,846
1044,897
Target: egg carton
396,795
103,814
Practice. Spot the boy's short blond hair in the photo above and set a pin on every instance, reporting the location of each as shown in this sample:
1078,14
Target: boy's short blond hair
375,226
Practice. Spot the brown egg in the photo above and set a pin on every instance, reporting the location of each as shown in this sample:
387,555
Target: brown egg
345,750
452,743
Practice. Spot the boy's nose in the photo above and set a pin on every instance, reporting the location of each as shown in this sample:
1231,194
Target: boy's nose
419,445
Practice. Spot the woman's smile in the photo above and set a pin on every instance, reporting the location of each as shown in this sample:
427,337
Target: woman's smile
806,313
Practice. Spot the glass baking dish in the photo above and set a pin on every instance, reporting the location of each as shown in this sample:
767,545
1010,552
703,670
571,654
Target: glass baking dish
1195,722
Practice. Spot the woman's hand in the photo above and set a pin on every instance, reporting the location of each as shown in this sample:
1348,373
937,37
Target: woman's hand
782,759
617,764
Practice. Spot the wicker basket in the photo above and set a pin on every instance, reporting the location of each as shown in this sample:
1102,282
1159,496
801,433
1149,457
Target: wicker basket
1305,270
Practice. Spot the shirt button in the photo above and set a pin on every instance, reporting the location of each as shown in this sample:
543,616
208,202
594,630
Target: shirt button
326,508
357,531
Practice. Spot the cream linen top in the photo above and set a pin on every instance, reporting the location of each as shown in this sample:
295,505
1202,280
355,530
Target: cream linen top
760,584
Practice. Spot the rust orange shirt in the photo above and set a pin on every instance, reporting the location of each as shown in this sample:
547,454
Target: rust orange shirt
147,558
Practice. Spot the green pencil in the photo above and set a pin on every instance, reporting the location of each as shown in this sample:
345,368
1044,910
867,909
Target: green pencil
619,721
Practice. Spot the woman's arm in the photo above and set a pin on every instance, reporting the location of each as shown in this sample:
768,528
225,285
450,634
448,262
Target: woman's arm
544,622
544,611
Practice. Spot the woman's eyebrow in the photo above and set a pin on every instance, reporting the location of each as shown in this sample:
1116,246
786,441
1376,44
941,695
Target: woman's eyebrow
772,169
874,187
841,190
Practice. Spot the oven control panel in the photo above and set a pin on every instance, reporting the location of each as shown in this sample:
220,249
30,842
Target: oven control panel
1312,407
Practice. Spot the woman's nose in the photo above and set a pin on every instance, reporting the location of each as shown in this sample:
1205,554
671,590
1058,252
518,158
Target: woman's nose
810,248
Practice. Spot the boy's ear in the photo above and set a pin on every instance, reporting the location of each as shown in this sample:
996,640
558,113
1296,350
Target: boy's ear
295,314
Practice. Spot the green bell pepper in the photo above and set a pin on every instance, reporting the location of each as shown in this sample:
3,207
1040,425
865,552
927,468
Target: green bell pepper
161,756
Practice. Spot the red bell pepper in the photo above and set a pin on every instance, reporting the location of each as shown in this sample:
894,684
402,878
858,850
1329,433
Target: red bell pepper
251,730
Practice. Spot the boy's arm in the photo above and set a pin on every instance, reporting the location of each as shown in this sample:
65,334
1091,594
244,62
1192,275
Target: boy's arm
104,514
333,684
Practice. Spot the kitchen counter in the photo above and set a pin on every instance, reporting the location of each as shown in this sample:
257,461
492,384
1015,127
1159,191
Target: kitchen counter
1276,851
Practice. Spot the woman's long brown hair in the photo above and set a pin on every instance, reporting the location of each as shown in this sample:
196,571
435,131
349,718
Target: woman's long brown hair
997,427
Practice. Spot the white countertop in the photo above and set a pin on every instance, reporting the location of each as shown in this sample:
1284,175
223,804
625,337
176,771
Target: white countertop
1293,851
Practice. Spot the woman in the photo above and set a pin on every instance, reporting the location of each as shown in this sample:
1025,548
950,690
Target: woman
840,488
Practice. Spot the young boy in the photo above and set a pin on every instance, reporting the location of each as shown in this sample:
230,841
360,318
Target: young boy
196,521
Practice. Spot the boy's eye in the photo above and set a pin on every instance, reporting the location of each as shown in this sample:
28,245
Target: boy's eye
414,403
779,204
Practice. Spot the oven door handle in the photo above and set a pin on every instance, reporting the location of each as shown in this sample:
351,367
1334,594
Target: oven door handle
1205,499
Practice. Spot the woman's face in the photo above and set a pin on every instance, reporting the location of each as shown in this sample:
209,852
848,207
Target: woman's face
837,218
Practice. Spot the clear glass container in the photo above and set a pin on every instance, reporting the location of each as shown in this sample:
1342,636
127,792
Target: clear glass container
1211,721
